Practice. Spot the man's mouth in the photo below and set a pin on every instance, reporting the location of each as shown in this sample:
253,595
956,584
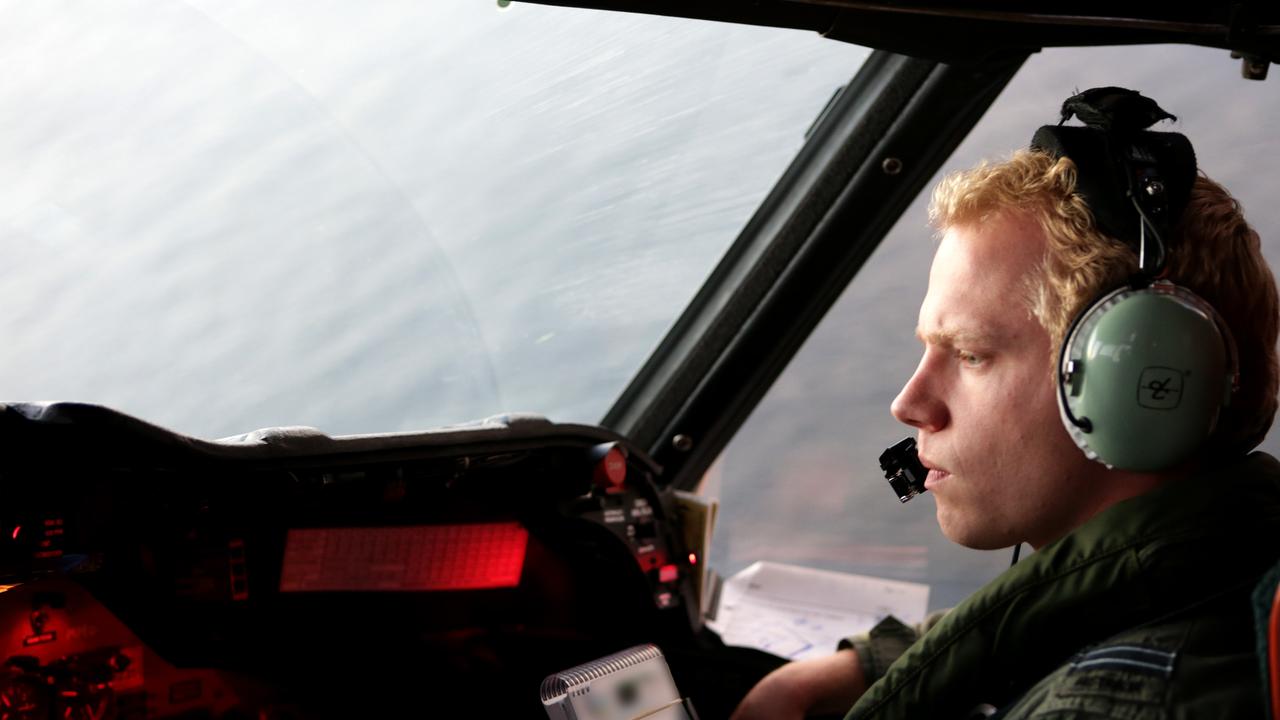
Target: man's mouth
936,474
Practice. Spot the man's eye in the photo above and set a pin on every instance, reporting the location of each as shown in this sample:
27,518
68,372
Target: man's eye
968,358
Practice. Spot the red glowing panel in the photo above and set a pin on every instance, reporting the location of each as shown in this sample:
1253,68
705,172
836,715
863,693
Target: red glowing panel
389,559
668,573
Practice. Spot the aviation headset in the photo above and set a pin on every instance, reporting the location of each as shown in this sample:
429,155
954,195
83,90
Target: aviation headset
1146,368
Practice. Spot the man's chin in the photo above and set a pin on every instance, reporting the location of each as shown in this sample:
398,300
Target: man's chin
971,532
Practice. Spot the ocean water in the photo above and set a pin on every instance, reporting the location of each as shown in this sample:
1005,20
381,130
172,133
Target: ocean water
387,216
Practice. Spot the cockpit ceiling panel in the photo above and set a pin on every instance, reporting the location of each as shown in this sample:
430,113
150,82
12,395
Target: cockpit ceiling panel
973,31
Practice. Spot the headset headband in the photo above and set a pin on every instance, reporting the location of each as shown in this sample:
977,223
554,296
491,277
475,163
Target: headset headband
1136,181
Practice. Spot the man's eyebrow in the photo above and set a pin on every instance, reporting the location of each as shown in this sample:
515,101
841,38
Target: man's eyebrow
957,337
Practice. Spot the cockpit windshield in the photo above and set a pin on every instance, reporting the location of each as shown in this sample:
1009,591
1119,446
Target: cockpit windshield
371,217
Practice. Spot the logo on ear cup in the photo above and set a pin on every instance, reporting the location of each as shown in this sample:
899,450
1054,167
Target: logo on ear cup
1160,388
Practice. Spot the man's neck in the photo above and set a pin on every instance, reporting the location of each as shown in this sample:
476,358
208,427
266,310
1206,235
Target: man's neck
1107,488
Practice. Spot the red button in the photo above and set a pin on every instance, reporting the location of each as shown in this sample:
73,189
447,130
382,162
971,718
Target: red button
668,573
612,468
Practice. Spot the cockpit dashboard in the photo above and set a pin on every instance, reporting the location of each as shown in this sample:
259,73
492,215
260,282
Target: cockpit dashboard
285,573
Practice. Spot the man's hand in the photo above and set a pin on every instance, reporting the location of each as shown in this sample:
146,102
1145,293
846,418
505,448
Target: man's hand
825,685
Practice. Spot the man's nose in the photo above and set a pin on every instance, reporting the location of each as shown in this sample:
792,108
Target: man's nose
919,404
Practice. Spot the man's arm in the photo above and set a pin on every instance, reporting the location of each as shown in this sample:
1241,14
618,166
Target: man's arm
823,685
832,684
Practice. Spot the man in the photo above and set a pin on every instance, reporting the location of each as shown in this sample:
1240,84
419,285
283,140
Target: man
1136,603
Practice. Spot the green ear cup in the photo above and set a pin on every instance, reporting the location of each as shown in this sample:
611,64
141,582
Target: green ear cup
1143,375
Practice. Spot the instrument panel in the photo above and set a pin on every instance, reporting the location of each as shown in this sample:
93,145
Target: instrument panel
289,574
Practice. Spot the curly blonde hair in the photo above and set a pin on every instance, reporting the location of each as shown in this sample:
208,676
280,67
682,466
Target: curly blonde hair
1214,253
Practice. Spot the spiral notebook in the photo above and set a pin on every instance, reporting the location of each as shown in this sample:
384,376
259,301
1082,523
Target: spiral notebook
634,684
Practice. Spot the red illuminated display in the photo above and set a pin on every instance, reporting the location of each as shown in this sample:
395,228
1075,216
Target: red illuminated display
426,557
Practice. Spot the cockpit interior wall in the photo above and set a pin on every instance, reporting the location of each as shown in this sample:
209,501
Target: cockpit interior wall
290,572
972,31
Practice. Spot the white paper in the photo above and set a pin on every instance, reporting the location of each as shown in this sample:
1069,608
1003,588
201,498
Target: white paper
799,612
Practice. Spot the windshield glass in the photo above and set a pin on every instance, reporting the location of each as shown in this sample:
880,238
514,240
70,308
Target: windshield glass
372,216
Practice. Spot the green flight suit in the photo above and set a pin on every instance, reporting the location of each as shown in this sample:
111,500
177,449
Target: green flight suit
1142,612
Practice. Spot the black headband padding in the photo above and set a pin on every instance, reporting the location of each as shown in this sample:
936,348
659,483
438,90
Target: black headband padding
1111,165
